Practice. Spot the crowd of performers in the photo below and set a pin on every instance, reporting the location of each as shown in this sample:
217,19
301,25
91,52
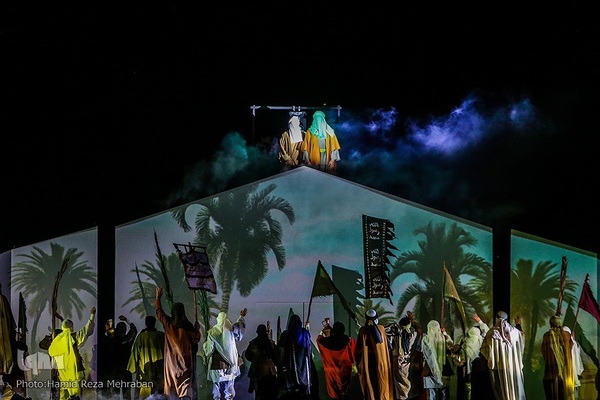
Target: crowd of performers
404,361
394,362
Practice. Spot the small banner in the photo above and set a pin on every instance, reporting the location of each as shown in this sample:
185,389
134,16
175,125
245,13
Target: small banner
377,233
198,274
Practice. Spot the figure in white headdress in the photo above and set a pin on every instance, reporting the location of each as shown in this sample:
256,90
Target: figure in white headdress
503,348
290,144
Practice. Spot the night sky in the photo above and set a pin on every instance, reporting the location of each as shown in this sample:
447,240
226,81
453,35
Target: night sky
113,112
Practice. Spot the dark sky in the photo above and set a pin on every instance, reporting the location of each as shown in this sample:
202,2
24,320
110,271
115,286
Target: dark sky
112,112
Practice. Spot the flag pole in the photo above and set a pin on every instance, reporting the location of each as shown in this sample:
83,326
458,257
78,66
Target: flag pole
278,328
562,285
443,290
308,314
323,286
195,306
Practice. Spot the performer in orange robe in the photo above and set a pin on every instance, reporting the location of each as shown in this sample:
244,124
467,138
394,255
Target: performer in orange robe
181,345
337,354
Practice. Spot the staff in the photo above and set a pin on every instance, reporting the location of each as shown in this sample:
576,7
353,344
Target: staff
562,285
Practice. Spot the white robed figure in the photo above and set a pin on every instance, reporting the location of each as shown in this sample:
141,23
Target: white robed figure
503,348
220,347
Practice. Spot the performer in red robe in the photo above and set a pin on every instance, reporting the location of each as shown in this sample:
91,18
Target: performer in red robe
337,354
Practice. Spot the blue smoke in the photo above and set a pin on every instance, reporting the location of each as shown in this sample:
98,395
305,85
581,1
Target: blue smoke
424,159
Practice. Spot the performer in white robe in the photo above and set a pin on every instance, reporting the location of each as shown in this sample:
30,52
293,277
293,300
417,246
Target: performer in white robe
503,349
435,346
224,360
578,367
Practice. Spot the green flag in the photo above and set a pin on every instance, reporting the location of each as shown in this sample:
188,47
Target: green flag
323,286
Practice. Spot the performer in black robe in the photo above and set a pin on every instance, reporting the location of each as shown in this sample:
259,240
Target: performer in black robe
297,358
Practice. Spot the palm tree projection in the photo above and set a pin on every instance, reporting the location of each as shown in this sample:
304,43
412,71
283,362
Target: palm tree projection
238,231
441,246
36,277
481,286
534,295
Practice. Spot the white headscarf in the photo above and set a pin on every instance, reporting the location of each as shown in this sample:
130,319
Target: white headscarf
222,337
436,342
294,129
576,355
503,328
472,345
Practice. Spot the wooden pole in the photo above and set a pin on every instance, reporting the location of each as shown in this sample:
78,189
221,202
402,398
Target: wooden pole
443,294
54,392
195,306
308,314
562,285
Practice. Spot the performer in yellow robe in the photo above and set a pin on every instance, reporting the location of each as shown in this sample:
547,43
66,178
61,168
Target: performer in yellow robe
65,354
559,382
147,358
372,357
8,329
321,147
290,145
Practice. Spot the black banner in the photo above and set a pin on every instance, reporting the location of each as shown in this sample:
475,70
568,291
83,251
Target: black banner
376,234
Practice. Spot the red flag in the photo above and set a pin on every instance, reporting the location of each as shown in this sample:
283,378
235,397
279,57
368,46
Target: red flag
587,301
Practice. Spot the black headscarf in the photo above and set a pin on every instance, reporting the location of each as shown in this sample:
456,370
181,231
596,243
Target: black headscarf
338,339
178,318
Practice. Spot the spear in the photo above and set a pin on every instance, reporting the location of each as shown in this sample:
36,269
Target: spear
145,302
54,311
562,285
54,306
